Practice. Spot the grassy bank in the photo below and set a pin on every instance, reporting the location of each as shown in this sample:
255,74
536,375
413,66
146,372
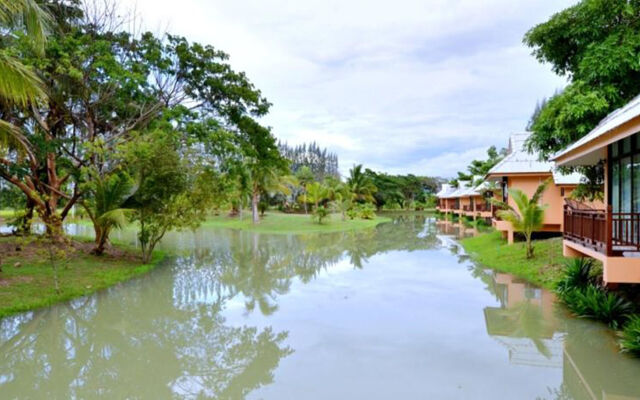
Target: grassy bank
28,278
274,222
544,270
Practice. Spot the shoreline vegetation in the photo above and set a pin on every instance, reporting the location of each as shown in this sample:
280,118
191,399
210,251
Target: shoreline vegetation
35,273
282,223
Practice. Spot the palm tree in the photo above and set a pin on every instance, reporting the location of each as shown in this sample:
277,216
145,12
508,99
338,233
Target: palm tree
305,176
361,185
104,206
267,180
316,193
530,214
19,85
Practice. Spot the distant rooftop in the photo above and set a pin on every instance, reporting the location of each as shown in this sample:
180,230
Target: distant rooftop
520,161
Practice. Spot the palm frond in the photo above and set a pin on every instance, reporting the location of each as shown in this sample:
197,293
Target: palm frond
115,218
19,84
28,15
538,194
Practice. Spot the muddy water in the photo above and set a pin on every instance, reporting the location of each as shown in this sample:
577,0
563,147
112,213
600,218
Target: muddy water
393,312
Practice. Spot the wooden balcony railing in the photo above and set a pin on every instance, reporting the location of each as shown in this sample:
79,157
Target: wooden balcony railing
467,208
483,207
603,230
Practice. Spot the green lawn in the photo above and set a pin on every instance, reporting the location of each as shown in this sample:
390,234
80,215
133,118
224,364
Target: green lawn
274,222
32,283
544,270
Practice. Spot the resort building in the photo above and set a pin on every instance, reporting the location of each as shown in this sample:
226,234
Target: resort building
469,201
524,171
444,200
610,233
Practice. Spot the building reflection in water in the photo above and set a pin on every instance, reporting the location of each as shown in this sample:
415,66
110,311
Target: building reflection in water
537,332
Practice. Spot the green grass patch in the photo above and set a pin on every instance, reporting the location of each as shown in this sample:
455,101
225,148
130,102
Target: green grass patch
31,284
274,222
545,270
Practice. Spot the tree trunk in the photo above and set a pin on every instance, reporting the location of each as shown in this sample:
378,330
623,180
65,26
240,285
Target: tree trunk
53,225
25,228
255,199
101,241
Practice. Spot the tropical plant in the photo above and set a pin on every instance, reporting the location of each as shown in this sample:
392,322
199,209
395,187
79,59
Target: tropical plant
320,214
599,304
316,193
578,274
105,198
529,216
19,84
360,185
631,336
305,177
366,211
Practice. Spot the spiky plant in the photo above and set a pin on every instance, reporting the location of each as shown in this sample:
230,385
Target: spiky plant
529,216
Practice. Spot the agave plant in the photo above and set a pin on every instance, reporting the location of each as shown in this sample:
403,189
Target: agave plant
599,304
529,216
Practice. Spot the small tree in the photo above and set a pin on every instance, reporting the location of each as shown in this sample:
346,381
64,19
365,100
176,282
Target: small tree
530,214
106,195
174,190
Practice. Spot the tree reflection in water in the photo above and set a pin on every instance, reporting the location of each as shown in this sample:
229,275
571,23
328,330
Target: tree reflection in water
165,335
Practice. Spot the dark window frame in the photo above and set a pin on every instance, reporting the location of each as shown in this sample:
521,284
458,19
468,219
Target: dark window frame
634,150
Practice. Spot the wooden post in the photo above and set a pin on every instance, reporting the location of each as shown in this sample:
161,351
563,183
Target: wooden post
609,231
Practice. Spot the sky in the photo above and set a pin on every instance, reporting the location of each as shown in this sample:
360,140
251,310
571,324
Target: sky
402,86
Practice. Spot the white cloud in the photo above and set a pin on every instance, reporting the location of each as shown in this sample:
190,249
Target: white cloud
400,86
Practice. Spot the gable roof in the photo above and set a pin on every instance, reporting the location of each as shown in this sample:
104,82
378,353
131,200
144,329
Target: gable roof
445,191
519,161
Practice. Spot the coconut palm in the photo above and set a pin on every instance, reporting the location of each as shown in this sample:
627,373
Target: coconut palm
19,84
361,185
105,206
529,217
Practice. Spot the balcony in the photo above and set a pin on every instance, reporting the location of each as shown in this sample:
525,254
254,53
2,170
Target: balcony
609,233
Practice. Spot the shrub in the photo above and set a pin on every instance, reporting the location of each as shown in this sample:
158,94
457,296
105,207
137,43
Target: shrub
596,303
352,213
367,211
320,213
631,336
577,274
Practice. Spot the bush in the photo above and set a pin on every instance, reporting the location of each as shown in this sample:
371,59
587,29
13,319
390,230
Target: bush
631,336
596,303
320,213
352,213
367,211
578,274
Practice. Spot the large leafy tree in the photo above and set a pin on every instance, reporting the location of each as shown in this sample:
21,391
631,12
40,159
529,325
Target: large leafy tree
104,85
595,44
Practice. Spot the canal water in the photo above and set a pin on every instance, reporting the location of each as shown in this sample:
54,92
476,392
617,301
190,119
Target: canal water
395,312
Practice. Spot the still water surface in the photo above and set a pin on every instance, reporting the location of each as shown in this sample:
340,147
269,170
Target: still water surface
396,312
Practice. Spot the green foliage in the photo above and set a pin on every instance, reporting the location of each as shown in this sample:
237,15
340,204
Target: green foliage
399,191
631,336
173,193
352,213
103,203
478,169
530,214
361,185
596,303
595,44
320,214
578,274
366,211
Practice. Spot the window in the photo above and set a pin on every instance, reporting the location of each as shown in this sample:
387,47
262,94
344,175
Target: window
624,175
